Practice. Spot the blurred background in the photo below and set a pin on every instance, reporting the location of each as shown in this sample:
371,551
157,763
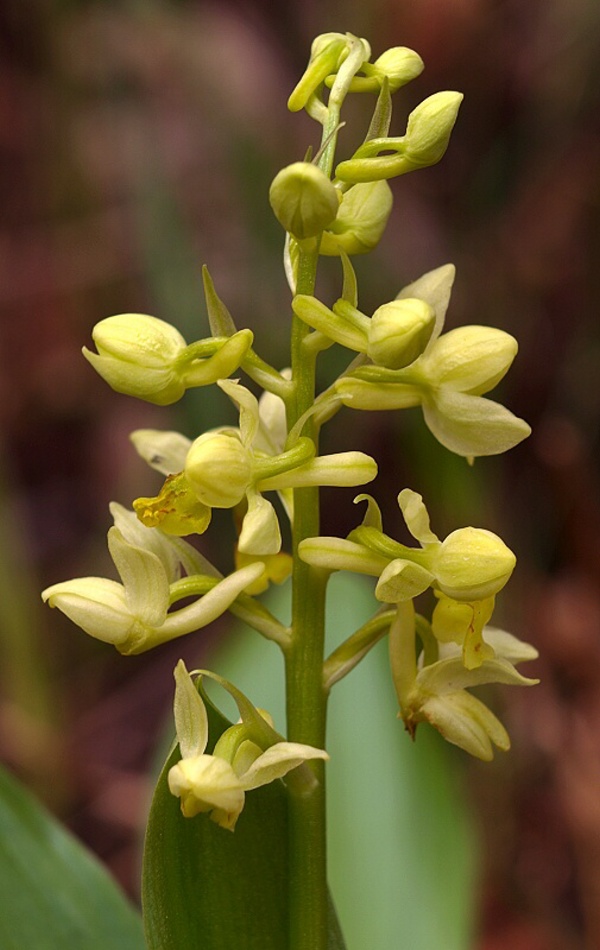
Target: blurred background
137,142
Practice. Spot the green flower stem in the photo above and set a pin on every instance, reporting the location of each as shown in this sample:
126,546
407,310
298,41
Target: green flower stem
306,699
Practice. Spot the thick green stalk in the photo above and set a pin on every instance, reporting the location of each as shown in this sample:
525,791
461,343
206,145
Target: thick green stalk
304,664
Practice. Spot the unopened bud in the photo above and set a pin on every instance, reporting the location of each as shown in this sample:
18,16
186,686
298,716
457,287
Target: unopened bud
219,469
137,356
399,332
304,200
472,564
429,127
398,65
360,221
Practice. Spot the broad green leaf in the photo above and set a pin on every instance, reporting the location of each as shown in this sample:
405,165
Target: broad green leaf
209,888
53,893
402,854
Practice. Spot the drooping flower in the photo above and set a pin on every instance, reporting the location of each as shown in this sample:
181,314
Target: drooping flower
246,756
134,615
437,692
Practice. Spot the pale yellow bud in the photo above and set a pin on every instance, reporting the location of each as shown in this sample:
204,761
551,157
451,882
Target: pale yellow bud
303,199
137,356
218,468
472,564
399,332
360,221
429,127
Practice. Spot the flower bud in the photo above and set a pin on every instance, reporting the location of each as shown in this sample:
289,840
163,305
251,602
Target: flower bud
137,355
472,564
219,469
303,199
361,220
470,359
399,332
399,65
429,127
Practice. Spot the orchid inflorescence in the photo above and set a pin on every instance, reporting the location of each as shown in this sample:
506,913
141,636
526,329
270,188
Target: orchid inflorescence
399,357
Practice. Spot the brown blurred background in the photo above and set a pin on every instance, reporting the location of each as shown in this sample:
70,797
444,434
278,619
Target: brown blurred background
138,141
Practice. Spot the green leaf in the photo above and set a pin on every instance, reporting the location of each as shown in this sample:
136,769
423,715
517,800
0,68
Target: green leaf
206,887
402,862
53,893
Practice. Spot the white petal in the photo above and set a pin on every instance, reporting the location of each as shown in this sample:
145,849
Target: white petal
272,431
277,761
164,451
260,532
472,425
416,517
402,580
509,647
144,579
95,604
151,539
207,783
450,674
464,720
337,554
435,288
247,404
191,720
